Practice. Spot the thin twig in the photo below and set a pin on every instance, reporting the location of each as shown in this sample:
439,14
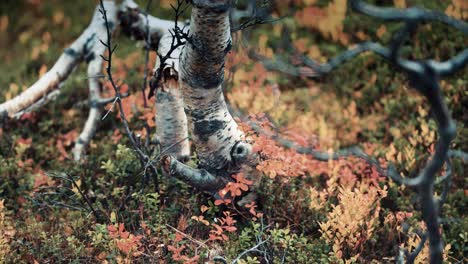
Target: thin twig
179,37
423,75
118,95
88,202
188,237
147,49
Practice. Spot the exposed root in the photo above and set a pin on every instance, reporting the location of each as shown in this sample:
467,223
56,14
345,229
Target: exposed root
198,178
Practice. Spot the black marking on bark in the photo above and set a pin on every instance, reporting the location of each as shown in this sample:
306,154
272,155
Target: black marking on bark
204,129
164,97
89,57
196,114
71,52
94,104
197,79
197,97
89,43
109,24
228,46
205,53
240,152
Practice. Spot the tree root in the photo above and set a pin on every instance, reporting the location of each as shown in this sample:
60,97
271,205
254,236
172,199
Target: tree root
198,178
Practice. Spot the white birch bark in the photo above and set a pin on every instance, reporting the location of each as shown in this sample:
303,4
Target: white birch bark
171,121
131,19
215,133
54,78
94,70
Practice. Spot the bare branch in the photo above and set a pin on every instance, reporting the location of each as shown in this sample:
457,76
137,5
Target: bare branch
423,75
94,69
118,95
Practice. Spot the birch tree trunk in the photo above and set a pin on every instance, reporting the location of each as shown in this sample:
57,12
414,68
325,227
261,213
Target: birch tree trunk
215,134
171,122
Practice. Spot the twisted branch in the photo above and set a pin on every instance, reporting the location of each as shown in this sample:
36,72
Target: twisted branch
423,75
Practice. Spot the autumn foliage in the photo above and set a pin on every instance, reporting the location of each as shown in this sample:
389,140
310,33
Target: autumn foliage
288,206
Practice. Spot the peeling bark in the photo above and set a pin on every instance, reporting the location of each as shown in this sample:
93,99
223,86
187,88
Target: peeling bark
171,122
191,91
214,131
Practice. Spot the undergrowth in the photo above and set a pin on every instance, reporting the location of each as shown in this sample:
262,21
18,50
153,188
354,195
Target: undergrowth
289,209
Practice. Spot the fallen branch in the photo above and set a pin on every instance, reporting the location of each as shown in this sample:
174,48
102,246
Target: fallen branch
423,75
39,92
87,47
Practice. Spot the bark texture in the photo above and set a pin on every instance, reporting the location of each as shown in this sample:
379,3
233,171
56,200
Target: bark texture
214,132
171,121
88,47
198,178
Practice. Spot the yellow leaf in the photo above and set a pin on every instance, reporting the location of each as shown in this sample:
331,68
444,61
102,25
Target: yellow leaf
400,3
58,17
381,31
12,91
113,217
74,189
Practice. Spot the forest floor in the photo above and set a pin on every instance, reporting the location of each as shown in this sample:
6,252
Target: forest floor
305,211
